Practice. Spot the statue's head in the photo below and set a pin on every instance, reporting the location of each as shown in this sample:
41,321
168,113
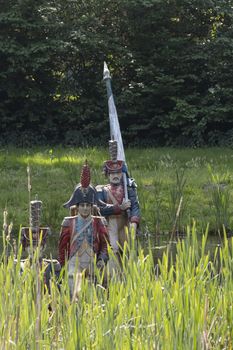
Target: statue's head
114,168
85,209
84,195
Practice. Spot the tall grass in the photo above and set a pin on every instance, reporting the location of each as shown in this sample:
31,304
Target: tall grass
220,199
187,305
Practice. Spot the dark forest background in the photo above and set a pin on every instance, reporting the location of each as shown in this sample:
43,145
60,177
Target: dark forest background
170,60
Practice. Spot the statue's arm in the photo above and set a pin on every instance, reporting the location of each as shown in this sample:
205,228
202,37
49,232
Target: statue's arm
135,208
105,208
103,241
64,244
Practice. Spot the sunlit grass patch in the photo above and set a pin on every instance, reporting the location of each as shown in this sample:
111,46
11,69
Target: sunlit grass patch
56,171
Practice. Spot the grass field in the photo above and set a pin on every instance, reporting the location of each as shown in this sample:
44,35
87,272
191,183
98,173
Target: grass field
183,302
202,177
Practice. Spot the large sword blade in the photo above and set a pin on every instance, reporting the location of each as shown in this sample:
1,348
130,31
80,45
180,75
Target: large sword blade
115,131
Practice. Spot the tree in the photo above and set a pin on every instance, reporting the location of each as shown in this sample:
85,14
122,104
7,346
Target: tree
29,53
170,62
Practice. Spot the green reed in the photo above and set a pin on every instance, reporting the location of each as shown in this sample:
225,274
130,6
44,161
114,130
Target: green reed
187,305
220,193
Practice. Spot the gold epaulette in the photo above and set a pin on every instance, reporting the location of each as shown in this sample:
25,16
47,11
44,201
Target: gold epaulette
67,219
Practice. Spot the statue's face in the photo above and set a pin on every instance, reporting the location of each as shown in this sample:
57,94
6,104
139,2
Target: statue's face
115,178
84,209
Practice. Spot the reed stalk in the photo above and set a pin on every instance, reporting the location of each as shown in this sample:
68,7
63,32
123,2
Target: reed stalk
187,305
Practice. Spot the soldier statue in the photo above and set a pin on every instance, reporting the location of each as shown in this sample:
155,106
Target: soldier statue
83,237
118,201
34,238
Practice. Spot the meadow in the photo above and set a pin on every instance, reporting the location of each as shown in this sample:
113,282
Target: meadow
201,180
183,301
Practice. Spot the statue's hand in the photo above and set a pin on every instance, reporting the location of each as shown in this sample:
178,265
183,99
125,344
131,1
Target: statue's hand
126,204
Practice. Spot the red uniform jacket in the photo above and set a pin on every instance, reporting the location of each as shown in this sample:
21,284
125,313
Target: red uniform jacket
100,239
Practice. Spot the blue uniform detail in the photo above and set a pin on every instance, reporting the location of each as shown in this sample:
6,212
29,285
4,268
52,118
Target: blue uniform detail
87,233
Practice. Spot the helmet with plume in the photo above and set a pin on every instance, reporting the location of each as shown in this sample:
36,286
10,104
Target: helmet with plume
84,192
114,165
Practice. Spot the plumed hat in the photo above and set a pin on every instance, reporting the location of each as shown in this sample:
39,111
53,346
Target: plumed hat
83,192
113,165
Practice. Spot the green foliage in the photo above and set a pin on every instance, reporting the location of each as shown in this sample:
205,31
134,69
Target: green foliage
220,199
170,62
176,200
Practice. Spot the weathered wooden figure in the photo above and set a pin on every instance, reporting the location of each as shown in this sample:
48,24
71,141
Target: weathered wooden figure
84,237
118,201
34,238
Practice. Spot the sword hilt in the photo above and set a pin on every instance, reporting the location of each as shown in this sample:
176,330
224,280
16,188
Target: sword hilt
113,149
